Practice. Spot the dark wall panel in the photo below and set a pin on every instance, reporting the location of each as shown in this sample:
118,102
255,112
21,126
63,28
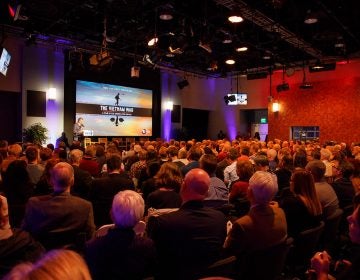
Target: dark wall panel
36,103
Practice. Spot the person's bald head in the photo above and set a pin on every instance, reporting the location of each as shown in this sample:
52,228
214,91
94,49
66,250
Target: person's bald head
196,185
62,177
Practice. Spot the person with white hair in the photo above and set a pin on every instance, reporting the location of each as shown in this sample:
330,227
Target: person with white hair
265,224
121,253
325,157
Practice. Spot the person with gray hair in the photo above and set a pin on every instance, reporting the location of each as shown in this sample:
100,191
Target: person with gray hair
121,253
265,224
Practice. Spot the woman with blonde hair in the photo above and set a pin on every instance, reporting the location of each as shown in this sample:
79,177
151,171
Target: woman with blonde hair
301,205
55,265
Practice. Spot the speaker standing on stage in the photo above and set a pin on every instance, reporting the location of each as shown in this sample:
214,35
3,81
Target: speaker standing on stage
79,129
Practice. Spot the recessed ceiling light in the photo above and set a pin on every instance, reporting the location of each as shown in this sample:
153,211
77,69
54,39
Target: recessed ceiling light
230,61
241,49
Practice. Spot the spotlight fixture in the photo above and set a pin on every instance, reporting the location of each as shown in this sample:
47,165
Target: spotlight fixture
166,12
241,49
183,83
230,61
284,86
305,84
235,16
319,67
153,41
310,17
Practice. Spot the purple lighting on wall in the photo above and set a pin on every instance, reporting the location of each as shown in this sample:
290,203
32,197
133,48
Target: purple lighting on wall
230,124
166,122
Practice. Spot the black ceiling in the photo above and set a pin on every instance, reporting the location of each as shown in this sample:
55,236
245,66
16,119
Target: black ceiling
273,28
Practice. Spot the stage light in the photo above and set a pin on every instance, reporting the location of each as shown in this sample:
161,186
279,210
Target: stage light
183,83
275,107
51,93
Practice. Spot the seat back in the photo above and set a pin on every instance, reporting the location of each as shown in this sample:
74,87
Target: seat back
344,224
71,239
305,246
329,235
264,264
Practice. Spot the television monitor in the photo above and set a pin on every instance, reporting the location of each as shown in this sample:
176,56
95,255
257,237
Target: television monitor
237,98
114,110
4,61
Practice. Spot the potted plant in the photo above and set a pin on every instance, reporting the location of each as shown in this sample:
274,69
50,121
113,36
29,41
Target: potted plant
35,133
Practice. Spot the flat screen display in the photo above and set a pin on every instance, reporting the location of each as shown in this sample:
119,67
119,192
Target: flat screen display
113,110
4,61
237,99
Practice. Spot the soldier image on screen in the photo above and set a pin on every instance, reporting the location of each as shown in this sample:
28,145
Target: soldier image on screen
117,98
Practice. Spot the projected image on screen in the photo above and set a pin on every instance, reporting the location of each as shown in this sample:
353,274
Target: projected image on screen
112,110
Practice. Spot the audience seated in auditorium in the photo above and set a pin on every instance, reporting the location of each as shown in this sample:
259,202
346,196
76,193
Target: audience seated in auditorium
34,169
18,188
14,152
344,269
261,162
121,254
44,185
149,185
54,265
89,163
190,239
82,178
173,152
301,205
284,171
15,245
103,189
217,188
342,184
138,166
194,155
60,212
325,192
273,161
265,224
230,174
238,189
168,182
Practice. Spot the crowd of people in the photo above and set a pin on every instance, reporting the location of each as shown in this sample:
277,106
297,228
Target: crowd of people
171,209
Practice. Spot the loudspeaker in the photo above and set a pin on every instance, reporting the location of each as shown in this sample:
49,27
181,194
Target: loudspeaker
36,103
182,84
176,114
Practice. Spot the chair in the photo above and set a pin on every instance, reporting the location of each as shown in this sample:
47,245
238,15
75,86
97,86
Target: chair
221,268
103,140
264,264
70,239
329,236
304,247
344,225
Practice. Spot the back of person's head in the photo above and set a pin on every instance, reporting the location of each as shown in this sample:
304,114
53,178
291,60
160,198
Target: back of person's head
196,185
172,151
347,169
16,174
271,154
127,209
208,162
113,162
142,154
151,155
316,154
300,159
90,151
50,146
62,177
325,154
261,160
263,187
152,168
317,169
287,162
169,176
31,153
303,185
182,154
245,150
195,153
75,156
233,153
244,169
55,265
15,150
45,154
100,150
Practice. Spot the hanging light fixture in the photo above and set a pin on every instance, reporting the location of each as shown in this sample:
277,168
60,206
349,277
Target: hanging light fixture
235,16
